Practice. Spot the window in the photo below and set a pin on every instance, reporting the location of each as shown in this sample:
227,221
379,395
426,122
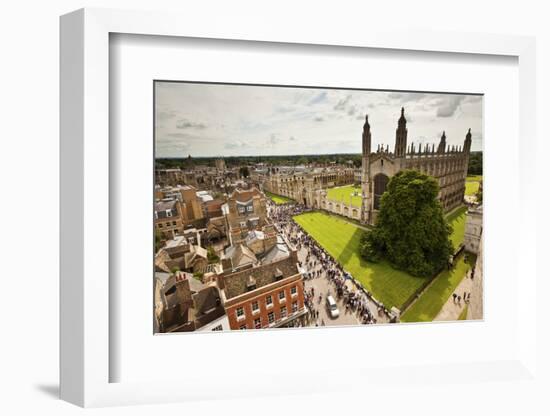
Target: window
271,317
171,291
257,323
168,212
217,328
242,327
240,312
268,300
250,208
255,306
160,225
293,290
294,307
174,223
241,210
283,311
282,295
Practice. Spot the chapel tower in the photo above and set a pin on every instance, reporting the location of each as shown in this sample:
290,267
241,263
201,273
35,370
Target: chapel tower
401,135
467,142
365,179
442,143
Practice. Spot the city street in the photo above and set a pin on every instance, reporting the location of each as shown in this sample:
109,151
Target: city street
319,280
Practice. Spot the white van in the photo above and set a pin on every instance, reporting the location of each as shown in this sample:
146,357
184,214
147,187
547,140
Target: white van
332,307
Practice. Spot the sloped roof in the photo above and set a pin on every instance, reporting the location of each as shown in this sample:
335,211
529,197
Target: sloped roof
240,255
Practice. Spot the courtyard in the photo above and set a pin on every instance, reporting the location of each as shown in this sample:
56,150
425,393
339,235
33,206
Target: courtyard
391,286
430,302
344,193
278,199
342,239
472,184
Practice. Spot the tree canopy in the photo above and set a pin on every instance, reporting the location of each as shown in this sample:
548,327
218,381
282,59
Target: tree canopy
411,230
475,163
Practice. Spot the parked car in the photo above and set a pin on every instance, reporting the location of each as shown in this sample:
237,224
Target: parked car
332,307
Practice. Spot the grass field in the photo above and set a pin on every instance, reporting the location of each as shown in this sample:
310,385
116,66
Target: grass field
457,219
343,193
426,308
472,184
341,239
463,314
278,199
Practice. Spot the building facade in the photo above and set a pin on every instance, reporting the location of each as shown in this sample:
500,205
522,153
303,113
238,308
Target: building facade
169,218
474,229
264,294
448,164
302,185
247,211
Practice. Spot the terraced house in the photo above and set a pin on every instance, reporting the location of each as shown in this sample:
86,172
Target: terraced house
264,290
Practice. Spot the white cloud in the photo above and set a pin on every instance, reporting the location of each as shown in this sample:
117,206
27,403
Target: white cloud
214,120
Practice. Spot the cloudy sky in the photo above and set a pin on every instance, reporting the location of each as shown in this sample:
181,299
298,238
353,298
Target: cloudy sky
233,120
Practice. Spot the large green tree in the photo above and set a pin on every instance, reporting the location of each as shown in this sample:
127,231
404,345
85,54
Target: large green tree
411,230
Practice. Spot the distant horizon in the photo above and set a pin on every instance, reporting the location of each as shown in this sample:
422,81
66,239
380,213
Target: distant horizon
246,120
302,154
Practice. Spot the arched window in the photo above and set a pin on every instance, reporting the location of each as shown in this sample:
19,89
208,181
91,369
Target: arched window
380,183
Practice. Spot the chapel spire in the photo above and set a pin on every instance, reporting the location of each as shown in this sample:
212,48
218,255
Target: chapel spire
401,135
442,143
468,142
366,137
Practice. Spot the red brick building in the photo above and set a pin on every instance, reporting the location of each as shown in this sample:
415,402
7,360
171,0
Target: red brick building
264,295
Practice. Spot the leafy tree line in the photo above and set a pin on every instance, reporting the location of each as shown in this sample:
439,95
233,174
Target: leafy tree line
236,161
475,165
411,231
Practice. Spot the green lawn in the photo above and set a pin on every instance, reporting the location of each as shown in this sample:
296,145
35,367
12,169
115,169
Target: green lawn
341,239
426,308
472,184
463,315
278,199
343,193
393,287
457,219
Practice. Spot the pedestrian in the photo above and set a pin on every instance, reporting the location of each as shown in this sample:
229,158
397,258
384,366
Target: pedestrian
458,298
454,297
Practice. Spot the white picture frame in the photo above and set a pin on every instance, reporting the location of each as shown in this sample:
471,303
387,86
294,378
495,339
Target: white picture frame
85,353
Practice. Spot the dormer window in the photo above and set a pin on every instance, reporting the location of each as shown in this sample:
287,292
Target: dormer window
251,283
278,275
168,212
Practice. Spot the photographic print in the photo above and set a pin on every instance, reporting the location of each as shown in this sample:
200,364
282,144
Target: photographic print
294,207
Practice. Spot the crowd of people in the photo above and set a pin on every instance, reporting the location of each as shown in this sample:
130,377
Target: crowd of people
318,263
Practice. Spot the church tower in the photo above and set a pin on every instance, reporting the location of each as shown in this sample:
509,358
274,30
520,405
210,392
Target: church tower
401,136
442,143
467,142
365,177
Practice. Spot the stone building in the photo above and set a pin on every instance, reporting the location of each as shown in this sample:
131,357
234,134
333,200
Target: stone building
448,164
220,165
474,229
169,177
183,303
302,185
169,218
246,211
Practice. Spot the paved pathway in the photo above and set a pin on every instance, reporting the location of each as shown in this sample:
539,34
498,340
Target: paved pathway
322,286
451,310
